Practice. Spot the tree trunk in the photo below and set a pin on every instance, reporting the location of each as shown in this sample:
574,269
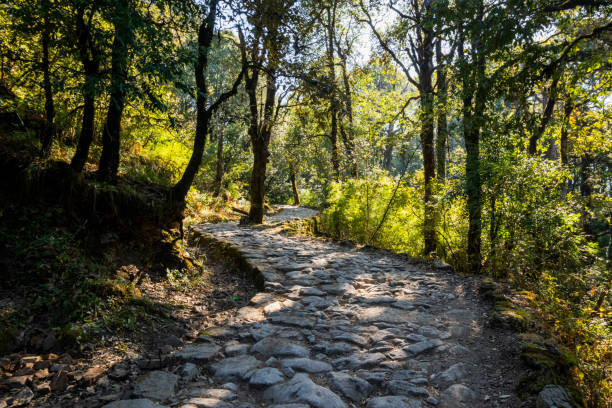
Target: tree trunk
389,145
569,107
258,179
348,137
260,140
474,98
442,133
296,194
205,35
546,116
109,160
333,100
427,138
219,169
89,59
49,129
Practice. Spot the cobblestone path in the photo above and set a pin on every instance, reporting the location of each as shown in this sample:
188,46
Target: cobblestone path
337,326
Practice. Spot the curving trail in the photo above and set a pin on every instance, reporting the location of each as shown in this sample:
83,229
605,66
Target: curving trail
341,327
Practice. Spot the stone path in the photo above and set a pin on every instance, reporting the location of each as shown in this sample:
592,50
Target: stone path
338,327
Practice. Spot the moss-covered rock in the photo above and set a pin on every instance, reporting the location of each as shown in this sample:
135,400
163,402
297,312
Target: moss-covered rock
550,366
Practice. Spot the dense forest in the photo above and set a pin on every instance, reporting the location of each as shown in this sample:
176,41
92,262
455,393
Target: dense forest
472,132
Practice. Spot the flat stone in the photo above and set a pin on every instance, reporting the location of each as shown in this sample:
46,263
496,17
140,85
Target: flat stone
307,365
311,292
208,403
236,349
382,314
450,376
265,377
135,403
350,337
393,402
157,385
339,289
398,387
234,368
457,396
403,304
23,397
279,347
219,393
92,375
261,298
262,331
189,371
250,314
423,346
197,353
355,361
331,348
272,307
553,396
301,389
353,388
290,320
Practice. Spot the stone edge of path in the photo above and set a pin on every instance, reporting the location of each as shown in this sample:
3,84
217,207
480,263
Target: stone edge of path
256,273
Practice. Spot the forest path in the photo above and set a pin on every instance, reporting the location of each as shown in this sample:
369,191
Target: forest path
338,326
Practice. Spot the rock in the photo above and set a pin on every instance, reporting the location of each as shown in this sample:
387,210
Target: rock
272,307
403,304
119,372
353,388
290,320
398,387
236,349
264,377
262,331
42,388
234,368
23,397
17,381
382,314
197,353
290,406
189,371
332,348
311,292
301,389
91,376
423,346
135,403
156,385
457,396
59,381
451,375
393,402
350,337
250,314
279,347
307,365
358,360
207,403
431,401
220,394
553,396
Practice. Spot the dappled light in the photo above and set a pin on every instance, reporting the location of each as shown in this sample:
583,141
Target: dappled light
294,204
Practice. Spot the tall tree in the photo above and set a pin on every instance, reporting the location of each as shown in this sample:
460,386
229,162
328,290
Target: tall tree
90,58
49,128
123,26
263,52
203,112
415,29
